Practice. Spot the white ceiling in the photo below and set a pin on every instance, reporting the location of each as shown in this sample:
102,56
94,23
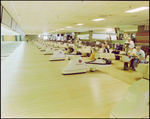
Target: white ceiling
37,17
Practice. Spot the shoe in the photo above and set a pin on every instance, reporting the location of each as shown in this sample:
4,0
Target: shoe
130,67
134,70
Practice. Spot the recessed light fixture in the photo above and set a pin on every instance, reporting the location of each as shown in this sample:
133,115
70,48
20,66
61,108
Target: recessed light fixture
68,27
80,24
137,9
98,19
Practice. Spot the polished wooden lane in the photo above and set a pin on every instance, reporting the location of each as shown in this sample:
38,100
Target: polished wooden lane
32,86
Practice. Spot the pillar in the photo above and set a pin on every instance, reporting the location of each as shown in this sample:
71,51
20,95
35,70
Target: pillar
90,36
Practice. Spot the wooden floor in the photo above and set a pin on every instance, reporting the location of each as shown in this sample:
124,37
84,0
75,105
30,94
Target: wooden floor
32,86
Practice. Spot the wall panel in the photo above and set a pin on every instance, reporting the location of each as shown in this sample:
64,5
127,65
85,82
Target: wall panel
9,38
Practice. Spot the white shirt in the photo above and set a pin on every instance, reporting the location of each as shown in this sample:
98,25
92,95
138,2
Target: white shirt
132,52
108,46
71,45
131,44
141,54
101,50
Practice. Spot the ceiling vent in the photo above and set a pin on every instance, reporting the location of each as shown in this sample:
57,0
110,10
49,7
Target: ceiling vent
134,15
74,23
134,24
103,16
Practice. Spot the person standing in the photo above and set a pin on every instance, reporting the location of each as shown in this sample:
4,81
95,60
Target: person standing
27,40
131,44
109,37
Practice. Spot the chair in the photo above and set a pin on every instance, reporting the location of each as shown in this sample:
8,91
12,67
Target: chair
147,59
144,69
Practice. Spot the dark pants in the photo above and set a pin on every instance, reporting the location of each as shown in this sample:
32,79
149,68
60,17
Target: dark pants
106,49
116,57
115,52
78,53
131,62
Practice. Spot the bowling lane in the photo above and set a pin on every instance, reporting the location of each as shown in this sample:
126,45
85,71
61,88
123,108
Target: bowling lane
32,86
7,47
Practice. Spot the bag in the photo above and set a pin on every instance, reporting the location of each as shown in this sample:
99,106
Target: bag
71,49
78,53
88,54
108,61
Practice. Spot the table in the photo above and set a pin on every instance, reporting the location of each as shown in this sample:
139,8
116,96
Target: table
126,58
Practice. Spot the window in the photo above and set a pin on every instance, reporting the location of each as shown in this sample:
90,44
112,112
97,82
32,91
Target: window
6,19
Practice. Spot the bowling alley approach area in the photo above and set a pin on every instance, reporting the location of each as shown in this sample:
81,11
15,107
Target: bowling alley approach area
34,86
75,59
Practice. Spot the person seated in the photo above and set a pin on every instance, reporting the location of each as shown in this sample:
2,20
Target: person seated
140,57
117,51
70,47
132,51
100,49
106,48
94,51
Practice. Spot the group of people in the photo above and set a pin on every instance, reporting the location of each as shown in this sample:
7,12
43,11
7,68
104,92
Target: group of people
104,48
140,56
135,51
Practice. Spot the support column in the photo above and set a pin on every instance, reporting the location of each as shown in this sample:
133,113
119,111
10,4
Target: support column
119,33
15,37
75,37
2,38
90,36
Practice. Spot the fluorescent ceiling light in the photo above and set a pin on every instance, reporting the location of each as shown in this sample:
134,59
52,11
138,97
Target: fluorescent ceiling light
109,29
130,30
137,9
80,24
57,30
98,19
68,27
45,33
61,28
